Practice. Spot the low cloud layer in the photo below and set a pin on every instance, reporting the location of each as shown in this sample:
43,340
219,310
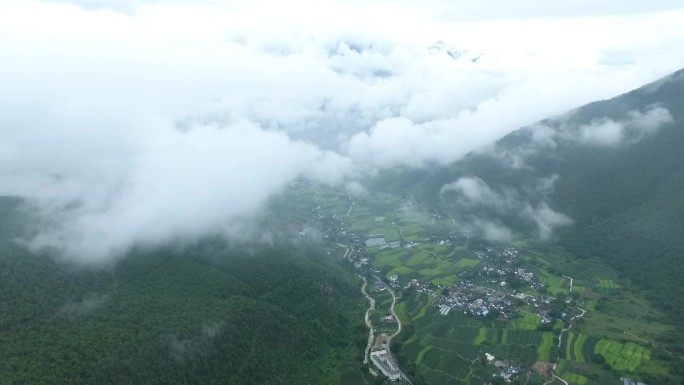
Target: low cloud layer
608,132
178,185
138,122
603,132
474,194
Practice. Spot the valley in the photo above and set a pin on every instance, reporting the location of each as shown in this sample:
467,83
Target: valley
475,310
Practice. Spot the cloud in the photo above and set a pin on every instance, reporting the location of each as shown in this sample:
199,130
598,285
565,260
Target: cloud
545,186
355,188
546,219
140,122
476,192
87,305
599,132
647,123
604,132
178,185
494,231
473,194
608,132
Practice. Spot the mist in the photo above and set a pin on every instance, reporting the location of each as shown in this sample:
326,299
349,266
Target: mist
140,122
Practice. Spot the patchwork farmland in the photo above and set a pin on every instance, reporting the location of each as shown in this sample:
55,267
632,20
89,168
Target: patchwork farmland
464,299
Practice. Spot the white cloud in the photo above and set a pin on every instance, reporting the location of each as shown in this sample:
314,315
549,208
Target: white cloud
600,132
545,186
475,191
471,192
605,132
546,219
179,185
647,123
153,120
608,132
494,231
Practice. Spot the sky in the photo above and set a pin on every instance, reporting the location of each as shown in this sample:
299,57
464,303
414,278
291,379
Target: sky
137,122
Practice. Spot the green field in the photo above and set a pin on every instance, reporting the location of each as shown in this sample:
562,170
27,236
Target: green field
446,281
466,262
419,358
607,284
574,347
622,356
527,321
544,349
443,348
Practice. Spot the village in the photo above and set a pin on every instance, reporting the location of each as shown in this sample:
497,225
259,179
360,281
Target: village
499,287
454,276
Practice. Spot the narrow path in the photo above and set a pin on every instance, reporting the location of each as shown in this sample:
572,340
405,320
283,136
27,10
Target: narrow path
560,336
433,254
562,380
570,278
394,302
436,256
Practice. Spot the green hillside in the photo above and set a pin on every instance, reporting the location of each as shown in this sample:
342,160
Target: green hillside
626,198
205,314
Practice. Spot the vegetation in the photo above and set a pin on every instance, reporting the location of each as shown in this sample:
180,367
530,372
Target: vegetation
218,313
435,348
210,313
624,200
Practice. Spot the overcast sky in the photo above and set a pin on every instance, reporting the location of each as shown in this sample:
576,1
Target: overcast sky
158,120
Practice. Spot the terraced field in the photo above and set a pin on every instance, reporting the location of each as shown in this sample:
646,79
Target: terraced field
577,347
622,356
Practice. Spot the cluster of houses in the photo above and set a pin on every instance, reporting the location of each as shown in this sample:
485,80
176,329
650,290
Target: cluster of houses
425,287
508,371
474,300
479,301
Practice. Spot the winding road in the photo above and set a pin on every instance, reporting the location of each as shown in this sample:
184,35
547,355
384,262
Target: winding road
394,302
389,339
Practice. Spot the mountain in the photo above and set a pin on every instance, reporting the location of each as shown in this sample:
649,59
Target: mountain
209,313
605,180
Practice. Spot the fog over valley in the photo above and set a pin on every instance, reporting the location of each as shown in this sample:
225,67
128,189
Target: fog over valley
140,122
341,192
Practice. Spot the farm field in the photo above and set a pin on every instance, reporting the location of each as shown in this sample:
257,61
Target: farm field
611,340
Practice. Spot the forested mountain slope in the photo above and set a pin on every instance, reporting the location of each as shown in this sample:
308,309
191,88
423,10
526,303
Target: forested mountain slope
608,178
202,314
